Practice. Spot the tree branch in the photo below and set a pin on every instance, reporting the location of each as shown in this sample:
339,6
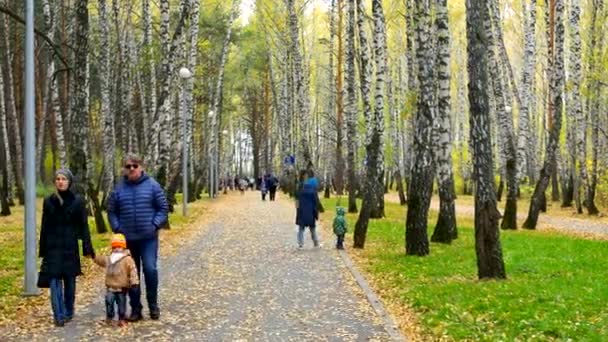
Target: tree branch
17,18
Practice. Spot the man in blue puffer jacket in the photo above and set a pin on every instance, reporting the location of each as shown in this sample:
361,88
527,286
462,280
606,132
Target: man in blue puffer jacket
138,208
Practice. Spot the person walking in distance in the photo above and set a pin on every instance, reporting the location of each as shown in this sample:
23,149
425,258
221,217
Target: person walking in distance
307,212
138,208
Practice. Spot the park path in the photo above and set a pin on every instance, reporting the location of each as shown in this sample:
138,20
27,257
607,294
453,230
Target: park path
242,278
591,227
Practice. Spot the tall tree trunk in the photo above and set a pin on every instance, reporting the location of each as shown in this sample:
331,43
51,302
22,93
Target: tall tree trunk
555,110
505,118
372,207
394,104
337,5
5,210
528,101
301,89
487,237
79,123
445,230
107,114
422,173
593,107
351,107
14,132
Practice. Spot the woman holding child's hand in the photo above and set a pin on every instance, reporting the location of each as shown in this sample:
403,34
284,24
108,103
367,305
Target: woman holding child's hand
64,222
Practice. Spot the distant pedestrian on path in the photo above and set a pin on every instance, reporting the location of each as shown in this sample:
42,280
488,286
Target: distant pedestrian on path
121,275
263,187
138,208
306,210
272,183
64,222
340,227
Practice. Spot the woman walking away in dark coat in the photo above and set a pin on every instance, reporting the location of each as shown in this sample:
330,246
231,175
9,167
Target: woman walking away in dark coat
64,222
307,211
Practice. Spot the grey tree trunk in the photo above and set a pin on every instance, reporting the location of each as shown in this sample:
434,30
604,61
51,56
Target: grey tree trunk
79,122
107,114
487,237
351,107
304,159
374,187
5,210
528,105
555,110
14,130
422,173
338,96
504,118
445,229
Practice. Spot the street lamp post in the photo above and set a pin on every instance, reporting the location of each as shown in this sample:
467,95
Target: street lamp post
185,74
30,288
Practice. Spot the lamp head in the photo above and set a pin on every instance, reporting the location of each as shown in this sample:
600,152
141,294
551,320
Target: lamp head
185,73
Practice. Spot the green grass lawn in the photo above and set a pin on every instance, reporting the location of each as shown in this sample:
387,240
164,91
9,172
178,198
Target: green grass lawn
557,286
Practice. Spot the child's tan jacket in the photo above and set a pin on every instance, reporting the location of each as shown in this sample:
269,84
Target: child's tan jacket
121,272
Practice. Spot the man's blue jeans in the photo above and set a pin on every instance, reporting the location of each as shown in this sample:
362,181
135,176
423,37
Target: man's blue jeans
63,293
145,252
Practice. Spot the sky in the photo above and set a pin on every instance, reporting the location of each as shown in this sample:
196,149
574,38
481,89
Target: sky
246,10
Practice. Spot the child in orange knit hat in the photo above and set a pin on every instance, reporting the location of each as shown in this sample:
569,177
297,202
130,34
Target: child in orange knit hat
121,274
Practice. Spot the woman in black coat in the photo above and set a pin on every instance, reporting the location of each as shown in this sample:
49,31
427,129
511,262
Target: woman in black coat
64,222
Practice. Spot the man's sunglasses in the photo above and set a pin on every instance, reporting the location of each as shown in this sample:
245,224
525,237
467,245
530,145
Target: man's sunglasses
131,166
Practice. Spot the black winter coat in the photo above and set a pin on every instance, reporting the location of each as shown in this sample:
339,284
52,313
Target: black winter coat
62,227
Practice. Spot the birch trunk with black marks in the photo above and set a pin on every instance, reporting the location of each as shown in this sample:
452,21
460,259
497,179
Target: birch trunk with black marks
422,173
487,236
14,131
302,109
445,229
79,122
556,53
528,104
5,209
594,103
106,114
371,206
337,5
351,107
504,119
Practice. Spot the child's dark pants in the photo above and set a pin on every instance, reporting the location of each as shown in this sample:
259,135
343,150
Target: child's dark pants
120,298
340,243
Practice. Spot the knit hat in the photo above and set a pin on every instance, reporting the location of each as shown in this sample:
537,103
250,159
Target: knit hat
340,211
119,241
67,173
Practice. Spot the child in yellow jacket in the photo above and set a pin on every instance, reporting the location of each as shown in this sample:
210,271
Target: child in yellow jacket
121,274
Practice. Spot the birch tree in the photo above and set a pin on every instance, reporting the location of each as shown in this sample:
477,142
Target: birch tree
487,239
445,230
525,165
11,114
422,173
504,118
5,210
300,86
351,106
555,110
375,121
106,113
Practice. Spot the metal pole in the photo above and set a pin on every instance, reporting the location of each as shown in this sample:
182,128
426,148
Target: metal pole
184,153
30,288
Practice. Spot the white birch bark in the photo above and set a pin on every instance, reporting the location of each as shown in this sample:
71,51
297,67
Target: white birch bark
11,112
302,109
107,116
528,105
5,142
